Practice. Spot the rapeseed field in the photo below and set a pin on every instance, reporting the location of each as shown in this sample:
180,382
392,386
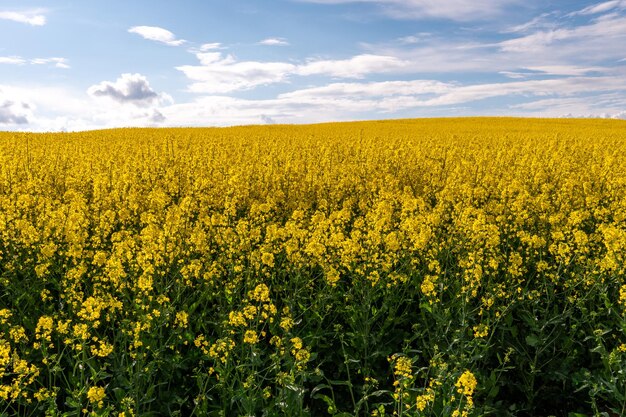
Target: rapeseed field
440,267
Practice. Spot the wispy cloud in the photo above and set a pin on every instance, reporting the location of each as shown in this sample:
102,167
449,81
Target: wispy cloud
601,7
543,21
430,93
583,42
372,89
274,42
56,61
355,67
210,46
12,60
157,34
30,17
413,39
223,74
460,10
18,60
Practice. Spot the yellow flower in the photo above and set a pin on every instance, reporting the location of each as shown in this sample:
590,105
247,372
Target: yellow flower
423,400
103,350
221,349
481,331
250,337
286,323
250,312
236,318
403,367
260,293
44,328
5,354
466,383
332,277
18,334
95,395
182,319
428,286
268,259
297,343
303,355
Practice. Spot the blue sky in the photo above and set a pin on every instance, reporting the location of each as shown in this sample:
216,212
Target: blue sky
73,65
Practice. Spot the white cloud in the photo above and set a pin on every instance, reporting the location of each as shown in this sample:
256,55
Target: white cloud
58,62
128,88
274,42
157,34
13,60
601,7
354,100
218,74
413,39
355,67
29,17
601,106
461,10
543,21
210,46
562,87
222,74
516,75
156,116
389,97
574,41
535,40
13,113
18,60
565,69
371,89
49,108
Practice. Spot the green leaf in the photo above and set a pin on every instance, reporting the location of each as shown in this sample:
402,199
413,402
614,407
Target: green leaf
532,340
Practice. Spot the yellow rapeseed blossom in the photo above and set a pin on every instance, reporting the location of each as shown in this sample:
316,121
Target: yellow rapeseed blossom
182,319
268,259
261,293
481,331
466,384
95,395
423,400
44,328
403,367
251,337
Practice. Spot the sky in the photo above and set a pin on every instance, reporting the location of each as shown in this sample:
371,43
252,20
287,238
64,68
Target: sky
70,65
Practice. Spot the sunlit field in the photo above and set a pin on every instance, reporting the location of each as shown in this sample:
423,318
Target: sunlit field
439,267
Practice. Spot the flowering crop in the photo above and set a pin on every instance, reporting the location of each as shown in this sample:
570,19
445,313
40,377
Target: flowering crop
436,267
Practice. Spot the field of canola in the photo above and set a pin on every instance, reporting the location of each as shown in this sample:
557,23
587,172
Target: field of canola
441,267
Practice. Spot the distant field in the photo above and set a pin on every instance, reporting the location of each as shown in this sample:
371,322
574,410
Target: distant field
435,267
